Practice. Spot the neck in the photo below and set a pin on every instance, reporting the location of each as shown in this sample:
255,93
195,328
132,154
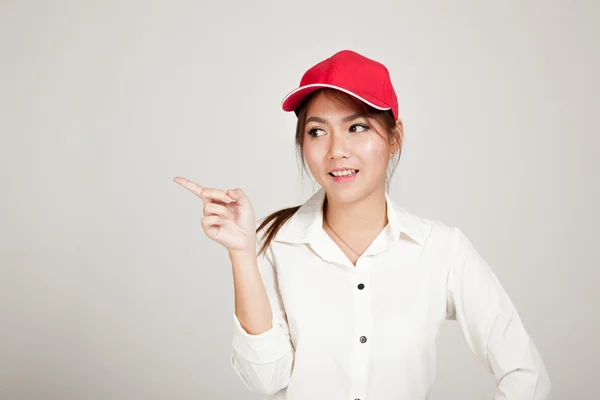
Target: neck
362,217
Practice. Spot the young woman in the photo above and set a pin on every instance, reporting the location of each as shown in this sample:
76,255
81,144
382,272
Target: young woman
343,296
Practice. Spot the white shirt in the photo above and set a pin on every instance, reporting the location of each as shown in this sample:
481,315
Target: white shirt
368,332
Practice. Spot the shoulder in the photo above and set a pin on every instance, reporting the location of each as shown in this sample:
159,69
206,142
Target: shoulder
435,233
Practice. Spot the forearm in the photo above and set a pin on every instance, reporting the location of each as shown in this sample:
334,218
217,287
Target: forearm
493,328
252,307
523,385
262,353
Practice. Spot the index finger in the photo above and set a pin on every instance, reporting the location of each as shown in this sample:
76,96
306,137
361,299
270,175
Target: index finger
191,186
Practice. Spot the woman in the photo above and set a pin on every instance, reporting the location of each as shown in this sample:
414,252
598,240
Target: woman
343,297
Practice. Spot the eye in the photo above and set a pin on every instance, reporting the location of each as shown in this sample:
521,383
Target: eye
312,132
359,125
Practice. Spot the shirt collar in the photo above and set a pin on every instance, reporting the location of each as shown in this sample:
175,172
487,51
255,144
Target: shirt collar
306,225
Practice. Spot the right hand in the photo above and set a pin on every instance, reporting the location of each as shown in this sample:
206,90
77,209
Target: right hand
228,216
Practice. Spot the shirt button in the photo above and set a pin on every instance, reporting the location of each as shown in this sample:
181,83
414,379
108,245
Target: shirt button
363,339
361,286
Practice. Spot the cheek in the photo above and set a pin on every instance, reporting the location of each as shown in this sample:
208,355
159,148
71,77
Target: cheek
313,155
373,151
309,153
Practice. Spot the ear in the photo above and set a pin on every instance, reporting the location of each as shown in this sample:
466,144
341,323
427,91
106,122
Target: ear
397,139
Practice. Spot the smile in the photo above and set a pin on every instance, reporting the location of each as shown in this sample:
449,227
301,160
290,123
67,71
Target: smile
344,178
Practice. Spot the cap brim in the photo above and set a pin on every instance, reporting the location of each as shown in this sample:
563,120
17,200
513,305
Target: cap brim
293,99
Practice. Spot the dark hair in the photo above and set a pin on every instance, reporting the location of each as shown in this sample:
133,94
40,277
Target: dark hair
384,117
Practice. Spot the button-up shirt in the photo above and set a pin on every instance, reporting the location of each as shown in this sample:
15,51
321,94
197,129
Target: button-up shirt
368,331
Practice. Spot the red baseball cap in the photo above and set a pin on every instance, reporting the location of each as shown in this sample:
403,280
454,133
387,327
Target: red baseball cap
352,73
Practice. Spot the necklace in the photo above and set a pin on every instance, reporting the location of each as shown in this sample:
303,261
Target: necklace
338,236
324,220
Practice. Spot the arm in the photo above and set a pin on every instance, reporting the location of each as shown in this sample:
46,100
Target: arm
492,327
262,352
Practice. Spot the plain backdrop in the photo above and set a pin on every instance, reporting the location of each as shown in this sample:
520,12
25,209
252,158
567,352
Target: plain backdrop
109,288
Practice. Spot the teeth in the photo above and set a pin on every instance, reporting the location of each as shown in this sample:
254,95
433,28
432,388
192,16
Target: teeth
344,172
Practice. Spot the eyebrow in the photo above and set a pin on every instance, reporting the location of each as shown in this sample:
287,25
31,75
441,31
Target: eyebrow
350,117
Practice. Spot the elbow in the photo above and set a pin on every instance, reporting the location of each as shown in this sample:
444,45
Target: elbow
265,379
542,380
526,383
543,384
265,385
271,388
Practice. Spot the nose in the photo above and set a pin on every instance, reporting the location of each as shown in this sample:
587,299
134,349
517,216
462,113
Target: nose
338,145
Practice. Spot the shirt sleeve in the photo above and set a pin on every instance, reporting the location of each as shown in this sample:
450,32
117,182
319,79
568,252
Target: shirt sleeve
264,361
492,327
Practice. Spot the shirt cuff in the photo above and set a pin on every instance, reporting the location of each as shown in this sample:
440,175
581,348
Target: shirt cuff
264,348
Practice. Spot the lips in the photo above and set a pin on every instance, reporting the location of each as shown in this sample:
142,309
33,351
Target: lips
330,173
345,178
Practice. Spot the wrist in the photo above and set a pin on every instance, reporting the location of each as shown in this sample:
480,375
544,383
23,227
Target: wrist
250,251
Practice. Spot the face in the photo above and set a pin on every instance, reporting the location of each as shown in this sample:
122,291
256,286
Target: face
336,137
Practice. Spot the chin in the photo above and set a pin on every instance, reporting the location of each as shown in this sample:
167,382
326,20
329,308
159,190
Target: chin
344,195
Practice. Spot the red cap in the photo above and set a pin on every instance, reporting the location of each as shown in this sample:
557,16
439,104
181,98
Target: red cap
352,73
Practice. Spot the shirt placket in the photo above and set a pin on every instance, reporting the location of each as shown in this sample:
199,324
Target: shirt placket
362,330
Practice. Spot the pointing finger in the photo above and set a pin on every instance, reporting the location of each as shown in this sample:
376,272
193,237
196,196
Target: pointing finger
191,186
215,194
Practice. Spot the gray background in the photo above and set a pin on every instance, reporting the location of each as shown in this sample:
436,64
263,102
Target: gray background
109,288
